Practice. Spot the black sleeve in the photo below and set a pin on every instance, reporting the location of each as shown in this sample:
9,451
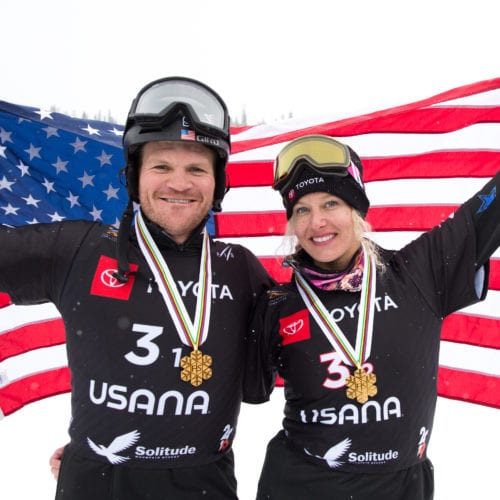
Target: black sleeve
259,278
485,210
35,259
443,262
260,373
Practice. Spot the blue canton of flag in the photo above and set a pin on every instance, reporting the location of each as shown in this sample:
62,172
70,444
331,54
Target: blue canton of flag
54,167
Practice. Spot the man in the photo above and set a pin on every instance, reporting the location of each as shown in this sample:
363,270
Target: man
155,354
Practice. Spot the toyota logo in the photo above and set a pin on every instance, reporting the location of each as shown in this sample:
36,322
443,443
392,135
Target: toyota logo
293,328
108,279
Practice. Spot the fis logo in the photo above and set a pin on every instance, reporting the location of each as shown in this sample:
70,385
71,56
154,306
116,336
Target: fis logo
295,328
105,284
226,252
118,444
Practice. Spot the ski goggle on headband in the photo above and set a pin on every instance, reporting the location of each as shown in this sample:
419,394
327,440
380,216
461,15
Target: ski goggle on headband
322,153
160,99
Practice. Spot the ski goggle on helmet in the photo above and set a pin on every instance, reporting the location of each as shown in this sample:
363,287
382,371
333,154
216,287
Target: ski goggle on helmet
162,101
321,153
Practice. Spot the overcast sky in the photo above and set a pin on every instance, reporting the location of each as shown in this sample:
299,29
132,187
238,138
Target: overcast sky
269,57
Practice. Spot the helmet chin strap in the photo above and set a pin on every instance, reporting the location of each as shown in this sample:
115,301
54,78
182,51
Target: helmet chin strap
217,203
122,244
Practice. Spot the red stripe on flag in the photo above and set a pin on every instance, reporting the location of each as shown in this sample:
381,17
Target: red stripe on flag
4,300
275,269
473,330
233,225
462,385
452,383
282,274
439,164
33,388
28,337
425,120
494,283
389,218
408,218
469,386
442,164
250,173
369,123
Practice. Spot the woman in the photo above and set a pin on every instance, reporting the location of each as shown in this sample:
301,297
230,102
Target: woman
355,334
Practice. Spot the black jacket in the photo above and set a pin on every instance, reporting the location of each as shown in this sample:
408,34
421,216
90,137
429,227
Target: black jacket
123,349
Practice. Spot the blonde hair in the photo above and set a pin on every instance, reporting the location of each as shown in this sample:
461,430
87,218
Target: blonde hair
290,244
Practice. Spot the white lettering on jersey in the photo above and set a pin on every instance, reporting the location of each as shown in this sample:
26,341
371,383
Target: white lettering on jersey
177,356
339,369
335,367
163,452
349,413
381,304
145,343
389,303
170,402
218,291
373,457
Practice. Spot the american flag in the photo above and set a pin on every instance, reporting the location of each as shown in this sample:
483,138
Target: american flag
187,134
421,160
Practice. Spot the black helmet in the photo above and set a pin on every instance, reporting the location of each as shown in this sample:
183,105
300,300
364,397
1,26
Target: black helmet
177,109
172,109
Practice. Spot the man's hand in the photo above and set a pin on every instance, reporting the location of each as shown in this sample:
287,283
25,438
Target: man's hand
55,462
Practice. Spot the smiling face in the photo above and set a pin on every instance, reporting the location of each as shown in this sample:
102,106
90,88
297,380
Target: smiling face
324,226
176,185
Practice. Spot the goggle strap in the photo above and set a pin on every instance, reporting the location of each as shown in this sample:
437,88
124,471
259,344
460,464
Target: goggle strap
325,171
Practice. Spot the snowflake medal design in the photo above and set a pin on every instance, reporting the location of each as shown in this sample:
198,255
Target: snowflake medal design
196,367
361,386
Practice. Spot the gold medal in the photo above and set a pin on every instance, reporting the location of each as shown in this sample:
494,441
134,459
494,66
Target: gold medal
196,367
361,386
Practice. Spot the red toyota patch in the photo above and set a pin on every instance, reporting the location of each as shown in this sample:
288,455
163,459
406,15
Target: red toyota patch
105,284
295,328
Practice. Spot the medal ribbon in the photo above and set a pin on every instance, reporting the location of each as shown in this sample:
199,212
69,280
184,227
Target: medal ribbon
191,333
332,331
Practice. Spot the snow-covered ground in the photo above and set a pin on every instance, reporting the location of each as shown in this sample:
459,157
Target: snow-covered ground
464,448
